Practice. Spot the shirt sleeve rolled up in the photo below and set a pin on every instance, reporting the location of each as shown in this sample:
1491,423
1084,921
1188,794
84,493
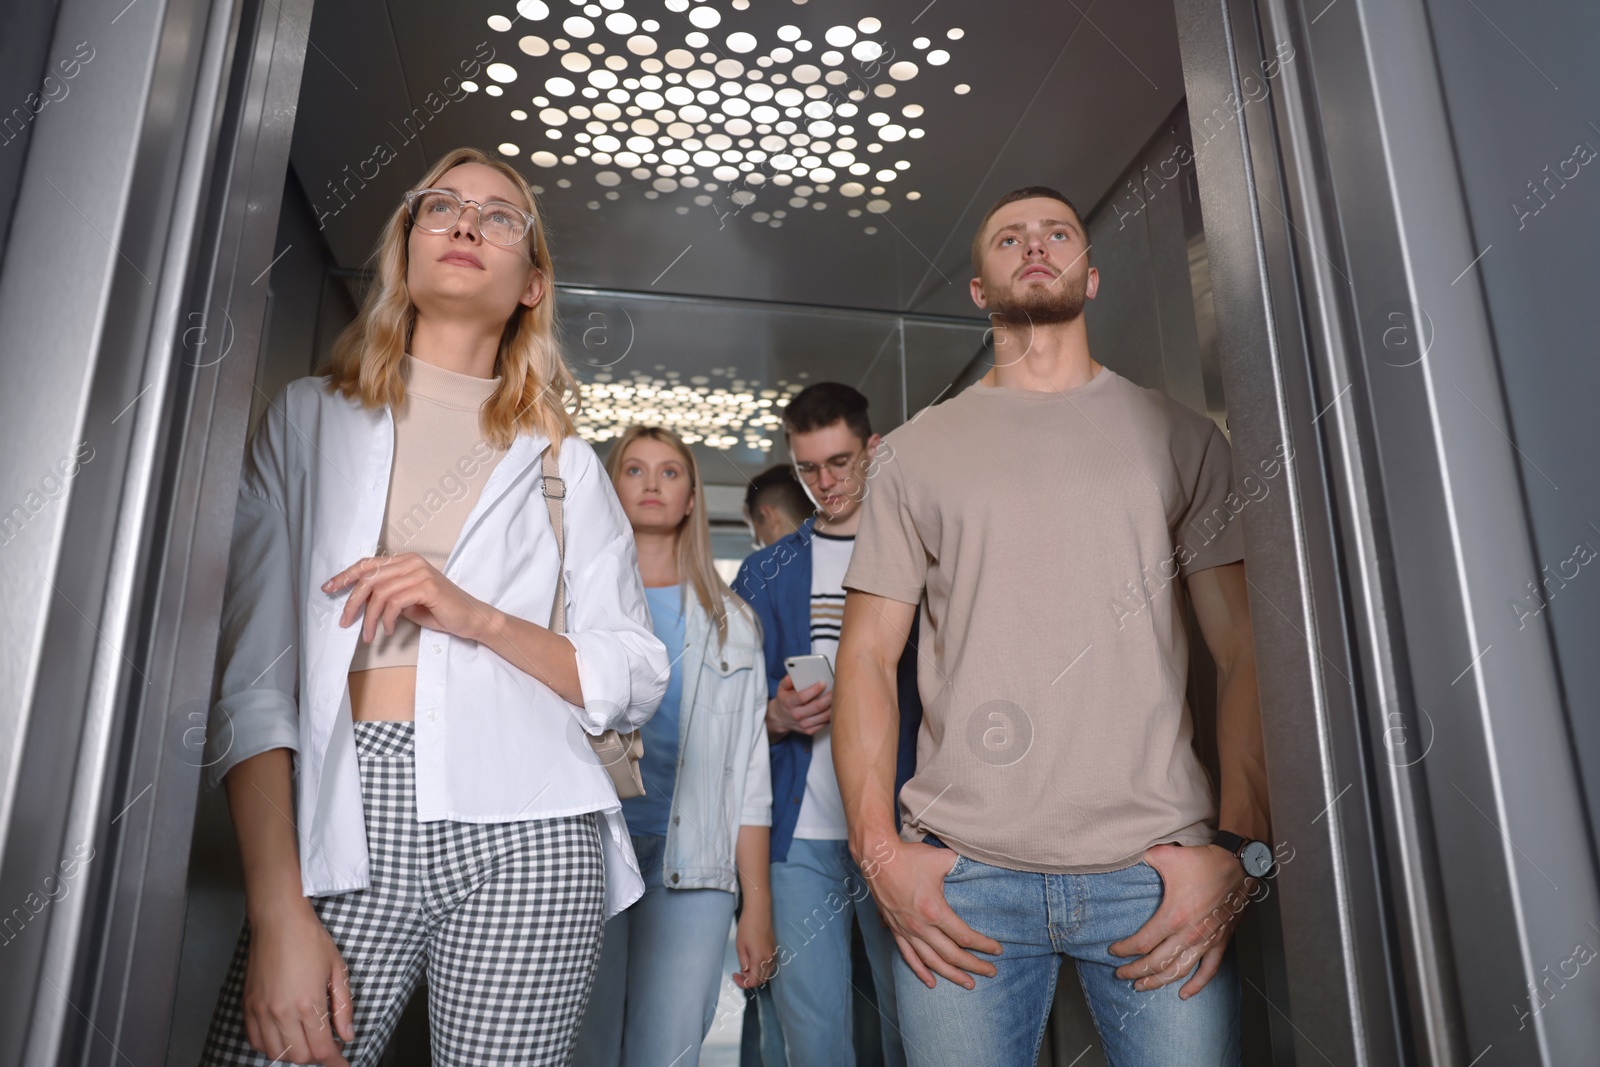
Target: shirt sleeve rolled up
622,665
258,650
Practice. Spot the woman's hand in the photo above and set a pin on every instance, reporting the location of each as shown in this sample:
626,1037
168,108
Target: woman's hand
293,975
388,587
756,944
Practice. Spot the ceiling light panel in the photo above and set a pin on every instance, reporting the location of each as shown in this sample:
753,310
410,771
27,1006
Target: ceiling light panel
714,109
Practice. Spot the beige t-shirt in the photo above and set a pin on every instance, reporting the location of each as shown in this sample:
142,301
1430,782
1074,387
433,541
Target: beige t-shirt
441,464
1043,535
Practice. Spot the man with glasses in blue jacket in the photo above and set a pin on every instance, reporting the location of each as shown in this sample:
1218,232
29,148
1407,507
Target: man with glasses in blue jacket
795,588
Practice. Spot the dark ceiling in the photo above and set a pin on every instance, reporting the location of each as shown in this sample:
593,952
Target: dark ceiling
1058,93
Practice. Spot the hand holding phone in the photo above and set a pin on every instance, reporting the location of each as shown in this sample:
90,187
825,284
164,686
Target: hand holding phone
792,712
807,671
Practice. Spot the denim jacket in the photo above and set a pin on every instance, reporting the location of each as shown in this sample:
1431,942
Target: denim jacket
724,780
492,743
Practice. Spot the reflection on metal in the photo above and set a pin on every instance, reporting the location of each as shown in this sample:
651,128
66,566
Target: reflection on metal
829,310
720,369
1419,754
711,415
1205,312
116,598
360,277
1300,651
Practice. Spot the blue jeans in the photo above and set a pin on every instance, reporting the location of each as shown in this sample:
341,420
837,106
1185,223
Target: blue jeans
814,893
1038,919
761,1040
655,989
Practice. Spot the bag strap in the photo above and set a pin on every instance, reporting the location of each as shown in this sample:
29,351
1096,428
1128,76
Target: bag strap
555,491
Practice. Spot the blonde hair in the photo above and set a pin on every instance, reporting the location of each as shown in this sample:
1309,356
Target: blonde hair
694,531
536,386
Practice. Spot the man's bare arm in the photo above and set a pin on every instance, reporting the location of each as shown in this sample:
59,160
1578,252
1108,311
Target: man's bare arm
907,880
866,714
1222,605
1205,883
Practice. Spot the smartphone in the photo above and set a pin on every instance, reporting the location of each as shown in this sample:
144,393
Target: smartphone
806,671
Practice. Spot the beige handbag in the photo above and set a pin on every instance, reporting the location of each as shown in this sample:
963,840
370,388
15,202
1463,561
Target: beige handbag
619,752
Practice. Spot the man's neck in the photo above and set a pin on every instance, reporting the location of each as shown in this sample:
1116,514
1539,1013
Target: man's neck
1050,358
845,527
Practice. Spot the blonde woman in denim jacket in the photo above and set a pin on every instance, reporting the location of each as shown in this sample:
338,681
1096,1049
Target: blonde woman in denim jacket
700,831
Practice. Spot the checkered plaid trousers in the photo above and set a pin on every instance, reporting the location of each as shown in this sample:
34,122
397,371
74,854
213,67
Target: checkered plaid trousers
504,919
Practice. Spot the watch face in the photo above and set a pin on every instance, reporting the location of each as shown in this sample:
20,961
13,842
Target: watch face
1257,859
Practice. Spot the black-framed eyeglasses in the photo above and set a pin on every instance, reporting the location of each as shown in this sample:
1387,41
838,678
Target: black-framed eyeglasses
437,210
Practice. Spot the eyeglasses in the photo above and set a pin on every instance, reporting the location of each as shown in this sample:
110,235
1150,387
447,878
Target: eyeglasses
437,210
838,466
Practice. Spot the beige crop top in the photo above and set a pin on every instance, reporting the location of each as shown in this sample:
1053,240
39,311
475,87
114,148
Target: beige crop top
441,462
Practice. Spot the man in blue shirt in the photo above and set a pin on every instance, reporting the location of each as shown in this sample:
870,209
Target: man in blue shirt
795,588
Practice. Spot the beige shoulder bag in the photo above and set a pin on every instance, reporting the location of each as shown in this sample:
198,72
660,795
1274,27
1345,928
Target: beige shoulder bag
619,752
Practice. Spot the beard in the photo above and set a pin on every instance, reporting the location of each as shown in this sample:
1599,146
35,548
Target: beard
1041,305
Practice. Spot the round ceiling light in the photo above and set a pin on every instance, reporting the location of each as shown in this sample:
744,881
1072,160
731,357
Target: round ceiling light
709,116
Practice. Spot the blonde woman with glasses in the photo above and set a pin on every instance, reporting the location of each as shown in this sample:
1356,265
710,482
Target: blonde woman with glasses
403,740
700,830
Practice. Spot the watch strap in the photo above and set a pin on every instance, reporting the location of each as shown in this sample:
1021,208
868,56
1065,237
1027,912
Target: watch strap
1230,841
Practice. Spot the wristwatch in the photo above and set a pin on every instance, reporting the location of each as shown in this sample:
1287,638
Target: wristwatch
1254,856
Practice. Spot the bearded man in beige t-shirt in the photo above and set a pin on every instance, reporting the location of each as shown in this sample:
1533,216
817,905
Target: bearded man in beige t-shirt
1051,520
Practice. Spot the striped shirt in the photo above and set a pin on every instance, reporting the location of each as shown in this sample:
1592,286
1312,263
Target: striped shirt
822,810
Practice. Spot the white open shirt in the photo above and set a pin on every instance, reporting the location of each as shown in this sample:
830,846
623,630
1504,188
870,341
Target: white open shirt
493,744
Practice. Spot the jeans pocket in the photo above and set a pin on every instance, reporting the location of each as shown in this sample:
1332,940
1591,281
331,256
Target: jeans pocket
961,864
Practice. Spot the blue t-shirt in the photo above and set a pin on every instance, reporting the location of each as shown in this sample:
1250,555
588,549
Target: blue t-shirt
648,815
